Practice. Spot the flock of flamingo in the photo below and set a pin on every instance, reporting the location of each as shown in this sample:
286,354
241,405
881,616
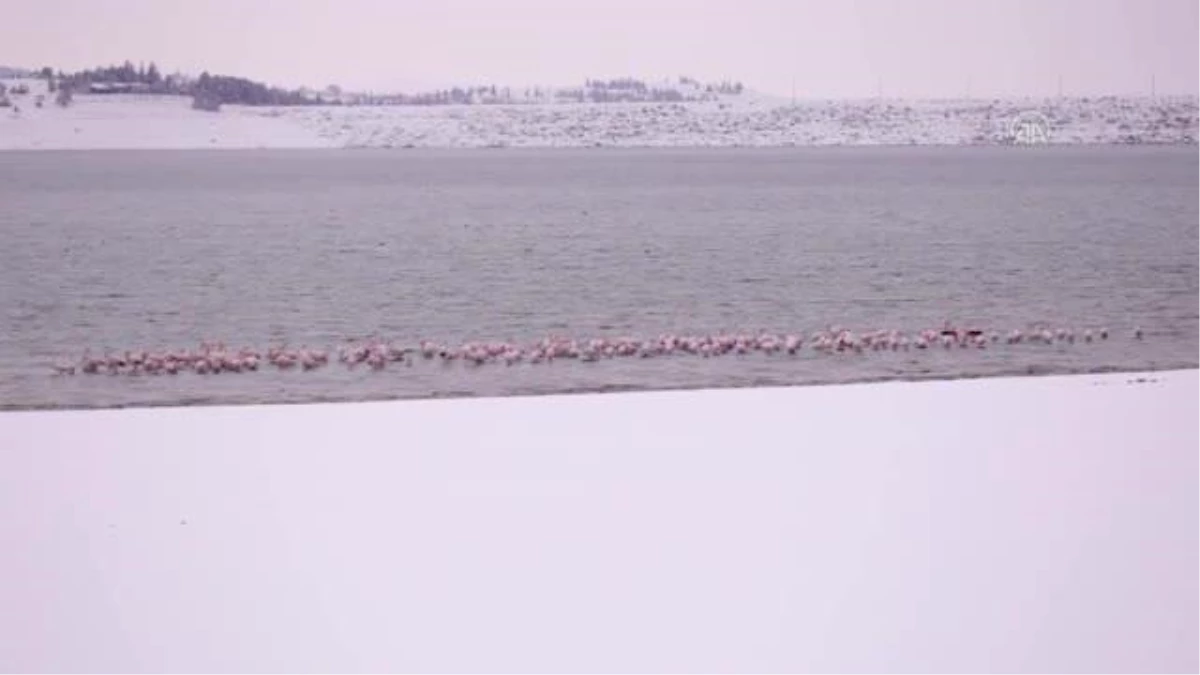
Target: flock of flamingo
213,357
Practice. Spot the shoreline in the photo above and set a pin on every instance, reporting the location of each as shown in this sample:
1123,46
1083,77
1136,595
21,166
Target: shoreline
1135,376
614,389
599,149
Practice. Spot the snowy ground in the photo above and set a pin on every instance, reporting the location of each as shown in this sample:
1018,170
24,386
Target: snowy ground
751,123
140,122
1037,524
146,122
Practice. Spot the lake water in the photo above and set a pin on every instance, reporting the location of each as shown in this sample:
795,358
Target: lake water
121,250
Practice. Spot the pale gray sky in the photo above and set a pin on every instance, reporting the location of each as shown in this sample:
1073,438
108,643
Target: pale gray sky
831,48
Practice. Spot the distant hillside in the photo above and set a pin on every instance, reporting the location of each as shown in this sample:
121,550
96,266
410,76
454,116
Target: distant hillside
616,90
211,90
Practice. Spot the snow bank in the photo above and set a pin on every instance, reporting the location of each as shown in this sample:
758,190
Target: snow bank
1044,524
147,122
141,122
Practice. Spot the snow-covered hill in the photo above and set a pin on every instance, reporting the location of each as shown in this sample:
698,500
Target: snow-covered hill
132,121
136,122
754,123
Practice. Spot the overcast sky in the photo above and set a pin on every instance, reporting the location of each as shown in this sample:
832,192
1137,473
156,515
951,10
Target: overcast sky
829,48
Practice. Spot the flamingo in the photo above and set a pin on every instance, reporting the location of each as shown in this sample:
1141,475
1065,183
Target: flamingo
214,357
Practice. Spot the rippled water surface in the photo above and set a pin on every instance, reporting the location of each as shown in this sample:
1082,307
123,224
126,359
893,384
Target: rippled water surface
117,250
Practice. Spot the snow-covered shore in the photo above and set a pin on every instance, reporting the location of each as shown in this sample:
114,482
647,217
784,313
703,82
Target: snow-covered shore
752,123
153,122
1027,524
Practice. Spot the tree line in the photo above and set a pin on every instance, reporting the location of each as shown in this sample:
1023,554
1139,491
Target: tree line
148,76
239,90
616,90
208,91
